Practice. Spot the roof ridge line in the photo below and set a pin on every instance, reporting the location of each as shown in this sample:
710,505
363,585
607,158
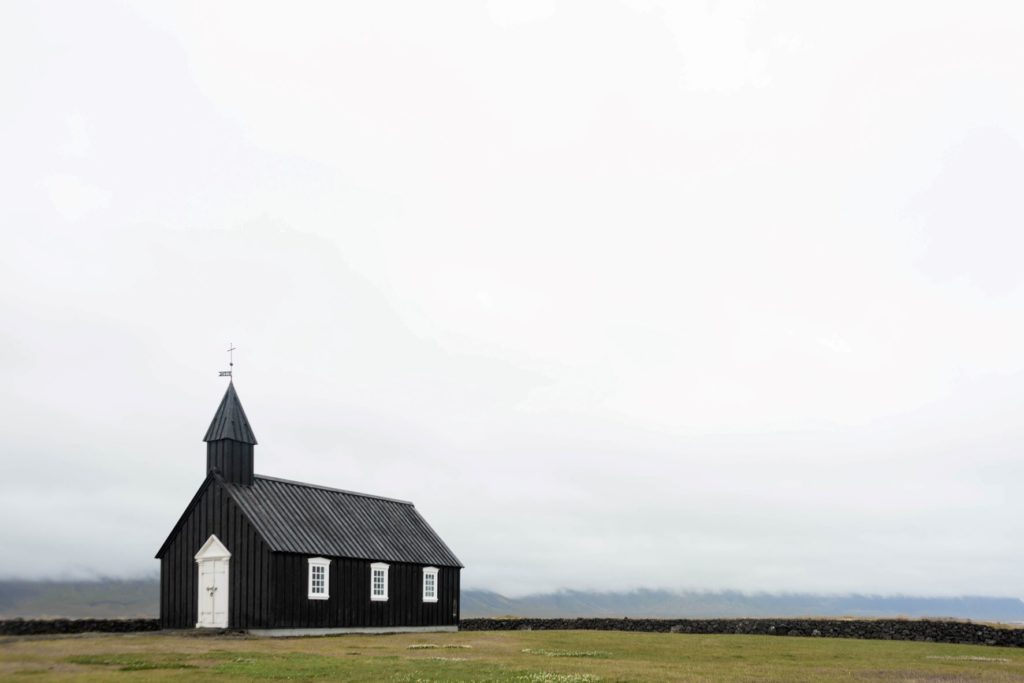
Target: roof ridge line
330,488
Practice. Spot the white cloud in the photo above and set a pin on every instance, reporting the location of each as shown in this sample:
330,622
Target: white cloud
512,12
78,142
836,344
73,198
732,286
714,41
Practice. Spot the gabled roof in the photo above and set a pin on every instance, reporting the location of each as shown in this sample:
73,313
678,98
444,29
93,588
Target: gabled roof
211,477
230,421
293,517
315,520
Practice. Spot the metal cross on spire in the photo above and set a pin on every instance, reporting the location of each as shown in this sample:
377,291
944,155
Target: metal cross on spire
231,361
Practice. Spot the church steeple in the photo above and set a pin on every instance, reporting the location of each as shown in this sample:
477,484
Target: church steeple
230,441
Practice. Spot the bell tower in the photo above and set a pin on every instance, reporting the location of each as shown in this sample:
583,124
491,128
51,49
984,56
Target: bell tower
230,441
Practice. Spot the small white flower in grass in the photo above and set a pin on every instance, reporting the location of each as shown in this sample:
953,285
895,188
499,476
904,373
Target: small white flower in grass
566,653
548,677
969,658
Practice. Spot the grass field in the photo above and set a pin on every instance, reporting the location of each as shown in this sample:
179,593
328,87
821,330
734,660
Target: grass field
526,657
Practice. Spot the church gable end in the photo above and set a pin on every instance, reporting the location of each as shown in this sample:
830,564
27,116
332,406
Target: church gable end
212,513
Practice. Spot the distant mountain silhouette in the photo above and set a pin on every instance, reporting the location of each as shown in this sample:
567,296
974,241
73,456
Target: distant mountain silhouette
668,604
98,598
139,598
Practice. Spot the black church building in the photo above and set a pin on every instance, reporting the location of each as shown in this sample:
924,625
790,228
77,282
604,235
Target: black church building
281,557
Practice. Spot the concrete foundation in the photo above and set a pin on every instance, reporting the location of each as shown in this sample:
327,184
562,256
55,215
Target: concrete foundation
299,632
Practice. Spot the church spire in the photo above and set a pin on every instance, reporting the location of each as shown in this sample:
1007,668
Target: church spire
230,441
230,421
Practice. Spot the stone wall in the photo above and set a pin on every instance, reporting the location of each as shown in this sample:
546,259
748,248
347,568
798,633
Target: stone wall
29,627
873,629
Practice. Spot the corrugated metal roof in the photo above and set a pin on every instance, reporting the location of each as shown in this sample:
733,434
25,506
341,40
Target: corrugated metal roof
315,520
230,421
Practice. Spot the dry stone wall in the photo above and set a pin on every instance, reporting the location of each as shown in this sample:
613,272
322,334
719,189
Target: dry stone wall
31,627
871,629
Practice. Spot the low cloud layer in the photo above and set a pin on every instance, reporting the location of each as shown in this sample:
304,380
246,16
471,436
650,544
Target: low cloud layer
620,296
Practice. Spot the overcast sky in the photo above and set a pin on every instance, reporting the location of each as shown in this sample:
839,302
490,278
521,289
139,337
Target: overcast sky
621,294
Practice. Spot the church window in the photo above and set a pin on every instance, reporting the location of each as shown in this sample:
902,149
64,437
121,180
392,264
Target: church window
430,584
378,581
319,578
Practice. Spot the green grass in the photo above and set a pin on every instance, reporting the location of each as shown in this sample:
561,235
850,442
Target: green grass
134,662
502,657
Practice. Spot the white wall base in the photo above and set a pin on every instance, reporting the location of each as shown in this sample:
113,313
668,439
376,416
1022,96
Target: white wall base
295,632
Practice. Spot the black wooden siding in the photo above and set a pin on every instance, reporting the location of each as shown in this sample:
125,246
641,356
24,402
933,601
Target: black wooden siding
349,604
270,589
233,459
249,581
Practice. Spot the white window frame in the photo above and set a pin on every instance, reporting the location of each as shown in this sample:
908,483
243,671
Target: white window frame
374,568
432,572
326,564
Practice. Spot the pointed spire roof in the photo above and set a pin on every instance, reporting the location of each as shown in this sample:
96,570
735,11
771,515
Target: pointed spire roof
230,421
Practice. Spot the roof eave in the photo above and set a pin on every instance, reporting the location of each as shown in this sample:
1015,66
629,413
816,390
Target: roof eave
439,539
431,563
184,515
211,477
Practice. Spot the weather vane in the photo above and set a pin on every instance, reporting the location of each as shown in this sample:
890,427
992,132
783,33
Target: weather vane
231,361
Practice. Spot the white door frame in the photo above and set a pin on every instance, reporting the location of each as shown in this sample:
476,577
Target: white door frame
213,556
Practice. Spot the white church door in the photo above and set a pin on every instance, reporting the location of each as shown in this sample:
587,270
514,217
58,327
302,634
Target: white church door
213,561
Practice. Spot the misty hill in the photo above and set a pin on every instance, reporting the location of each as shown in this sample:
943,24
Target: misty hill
101,598
139,598
669,604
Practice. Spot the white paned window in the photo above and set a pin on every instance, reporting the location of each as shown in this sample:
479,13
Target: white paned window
319,578
378,581
430,584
